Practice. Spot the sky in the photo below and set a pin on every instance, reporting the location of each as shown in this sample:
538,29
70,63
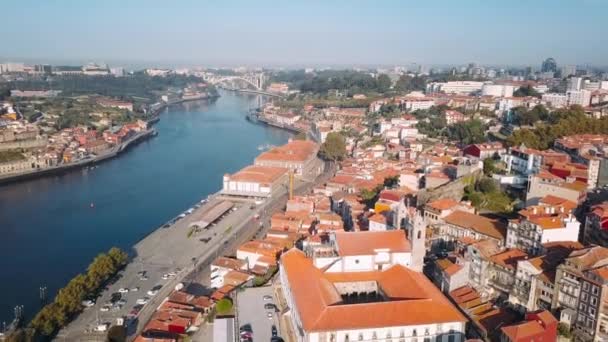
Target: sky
305,33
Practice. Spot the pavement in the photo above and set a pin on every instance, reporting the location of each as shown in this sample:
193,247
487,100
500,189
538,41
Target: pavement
250,311
168,250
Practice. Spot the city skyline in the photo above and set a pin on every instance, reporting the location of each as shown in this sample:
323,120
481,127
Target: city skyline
301,34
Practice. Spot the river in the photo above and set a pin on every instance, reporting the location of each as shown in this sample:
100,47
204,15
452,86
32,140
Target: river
49,231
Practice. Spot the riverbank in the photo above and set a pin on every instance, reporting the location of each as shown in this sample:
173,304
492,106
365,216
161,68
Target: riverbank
59,169
50,229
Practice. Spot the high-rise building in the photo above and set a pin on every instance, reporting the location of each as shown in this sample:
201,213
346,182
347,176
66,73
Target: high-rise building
568,70
549,65
575,83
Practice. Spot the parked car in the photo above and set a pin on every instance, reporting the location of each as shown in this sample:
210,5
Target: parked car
88,303
134,289
269,306
154,290
142,301
267,298
269,315
123,290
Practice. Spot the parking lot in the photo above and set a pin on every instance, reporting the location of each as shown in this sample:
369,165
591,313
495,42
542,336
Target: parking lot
251,311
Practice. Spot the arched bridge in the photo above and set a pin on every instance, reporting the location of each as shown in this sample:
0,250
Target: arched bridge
254,80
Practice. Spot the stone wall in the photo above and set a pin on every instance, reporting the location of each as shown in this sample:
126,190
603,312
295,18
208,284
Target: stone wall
453,190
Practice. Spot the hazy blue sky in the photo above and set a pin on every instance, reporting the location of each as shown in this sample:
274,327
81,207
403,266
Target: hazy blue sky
307,32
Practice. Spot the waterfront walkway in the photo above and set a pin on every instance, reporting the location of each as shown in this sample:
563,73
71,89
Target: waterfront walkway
169,250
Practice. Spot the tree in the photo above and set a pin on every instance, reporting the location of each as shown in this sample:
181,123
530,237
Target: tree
564,330
117,333
223,306
468,132
384,83
334,147
489,167
526,90
391,182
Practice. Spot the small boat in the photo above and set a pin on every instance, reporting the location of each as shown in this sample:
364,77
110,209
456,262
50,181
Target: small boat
92,205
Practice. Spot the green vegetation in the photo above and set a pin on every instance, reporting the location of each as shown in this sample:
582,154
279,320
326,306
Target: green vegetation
67,302
523,117
564,330
489,167
561,123
223,306
408,84
347,81
190,232
486,195
526,91
138,85
334,147
467,132
262,280
10,156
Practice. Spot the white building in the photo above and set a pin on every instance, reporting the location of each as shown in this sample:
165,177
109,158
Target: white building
393,304
579,97
575,83
523,160
498,90
549,221
555,100
255,181
222,266
363,251
454,87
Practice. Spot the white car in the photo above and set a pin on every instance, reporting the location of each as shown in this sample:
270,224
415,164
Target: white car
123,290
171,274
104,308
267,298
142,301
152,293
88,303
134,289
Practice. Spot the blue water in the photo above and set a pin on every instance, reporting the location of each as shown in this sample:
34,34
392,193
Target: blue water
49,232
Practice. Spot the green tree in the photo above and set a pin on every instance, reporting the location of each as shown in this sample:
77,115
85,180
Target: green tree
384,83
489,167
334,147
223,306
564,330
468,132
526,90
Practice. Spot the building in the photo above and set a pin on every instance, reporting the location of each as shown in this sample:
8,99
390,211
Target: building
497,90
462,224
596,225
255,181
485,150
545,183
435,211
555,100
582,288
263,254
549,65
549,221
364,306
221,266
453,117
362,251
539,326
523,160
278,88
579,97
454,87
300,156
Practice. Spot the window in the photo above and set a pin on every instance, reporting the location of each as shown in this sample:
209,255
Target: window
595,290
360,337
414,332
586,286
592,312
593,300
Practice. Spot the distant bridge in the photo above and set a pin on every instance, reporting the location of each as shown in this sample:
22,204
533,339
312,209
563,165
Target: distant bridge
255,81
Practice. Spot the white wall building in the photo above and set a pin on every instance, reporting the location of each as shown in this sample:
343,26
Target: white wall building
363,251
454,87
399,304
498,90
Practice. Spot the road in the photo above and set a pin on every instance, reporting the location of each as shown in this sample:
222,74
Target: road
171,250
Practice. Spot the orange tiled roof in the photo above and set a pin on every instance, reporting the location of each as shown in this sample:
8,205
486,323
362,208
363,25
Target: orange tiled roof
480,224
320,306
366,242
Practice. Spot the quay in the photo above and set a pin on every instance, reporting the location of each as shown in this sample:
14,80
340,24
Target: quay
172,249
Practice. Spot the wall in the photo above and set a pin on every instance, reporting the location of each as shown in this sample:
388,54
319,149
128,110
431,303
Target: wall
453,190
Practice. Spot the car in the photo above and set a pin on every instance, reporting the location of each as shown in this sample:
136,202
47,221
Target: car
143,277
246,335
165,276
105,308
274,330
269,315
115,297
123,290
152,293
134,289
142,301
88,303
171,274
269,306
246,327
267,298
122,302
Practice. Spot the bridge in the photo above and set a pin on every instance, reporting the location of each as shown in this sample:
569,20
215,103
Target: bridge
255,81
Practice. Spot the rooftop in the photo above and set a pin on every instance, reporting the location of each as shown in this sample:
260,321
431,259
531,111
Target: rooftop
368,243
480,224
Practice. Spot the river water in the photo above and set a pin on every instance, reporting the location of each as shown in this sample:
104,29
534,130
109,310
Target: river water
49,231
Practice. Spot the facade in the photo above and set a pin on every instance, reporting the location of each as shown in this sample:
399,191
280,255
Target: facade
523,160
497,90
365,306
539,326
255,181
582,288
462,224
555,100
222,266
545,183
300,156
483,151
362,251
453,117
596,225
549,221
454,87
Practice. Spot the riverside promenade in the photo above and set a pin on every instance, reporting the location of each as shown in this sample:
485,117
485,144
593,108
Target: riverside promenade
170,249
